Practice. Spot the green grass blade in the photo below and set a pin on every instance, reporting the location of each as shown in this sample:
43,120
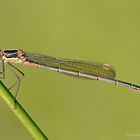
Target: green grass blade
21,113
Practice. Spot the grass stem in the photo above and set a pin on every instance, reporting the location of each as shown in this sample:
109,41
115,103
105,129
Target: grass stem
19,111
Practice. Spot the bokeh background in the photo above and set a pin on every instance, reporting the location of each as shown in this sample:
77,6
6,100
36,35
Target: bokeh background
69,108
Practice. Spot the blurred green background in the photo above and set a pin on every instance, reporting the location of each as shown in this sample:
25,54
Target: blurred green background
69,108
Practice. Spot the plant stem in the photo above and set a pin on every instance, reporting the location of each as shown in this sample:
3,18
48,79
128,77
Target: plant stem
21,113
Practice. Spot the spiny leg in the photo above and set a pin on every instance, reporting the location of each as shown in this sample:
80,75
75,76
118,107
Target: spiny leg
18,81
2,72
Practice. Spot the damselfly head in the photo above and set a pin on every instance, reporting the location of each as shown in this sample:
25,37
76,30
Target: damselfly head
8,53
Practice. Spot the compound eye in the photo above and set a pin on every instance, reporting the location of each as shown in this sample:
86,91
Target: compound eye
10,51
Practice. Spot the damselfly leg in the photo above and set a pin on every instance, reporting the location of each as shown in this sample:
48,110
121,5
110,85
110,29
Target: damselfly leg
18,78
2,69
15,71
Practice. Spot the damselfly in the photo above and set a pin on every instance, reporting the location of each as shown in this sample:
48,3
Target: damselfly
75,68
